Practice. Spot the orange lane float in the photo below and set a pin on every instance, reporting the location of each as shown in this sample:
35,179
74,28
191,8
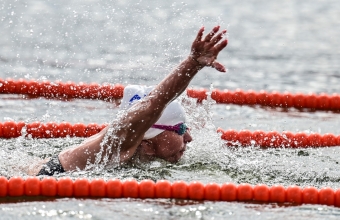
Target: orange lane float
114,188
10,129
271,139
61,90
109,92
272,99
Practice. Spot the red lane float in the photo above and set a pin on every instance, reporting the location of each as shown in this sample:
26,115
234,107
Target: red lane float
272,99
114,188
62,90
147,189
109,92
48,186
98,188
32,186
271,139
274,139
81,188
65,187
12,129
163,189
212,192
228,192
277,193
294,194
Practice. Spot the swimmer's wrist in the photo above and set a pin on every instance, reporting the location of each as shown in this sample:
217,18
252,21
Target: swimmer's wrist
196,62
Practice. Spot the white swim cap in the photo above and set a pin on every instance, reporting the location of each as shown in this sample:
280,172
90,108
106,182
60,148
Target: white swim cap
173,114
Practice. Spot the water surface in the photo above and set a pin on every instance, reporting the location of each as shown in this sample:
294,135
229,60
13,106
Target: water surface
284,46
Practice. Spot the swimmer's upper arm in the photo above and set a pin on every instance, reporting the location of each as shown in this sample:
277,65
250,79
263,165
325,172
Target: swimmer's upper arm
142,115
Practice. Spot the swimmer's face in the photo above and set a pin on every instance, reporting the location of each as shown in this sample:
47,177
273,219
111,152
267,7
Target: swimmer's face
170,146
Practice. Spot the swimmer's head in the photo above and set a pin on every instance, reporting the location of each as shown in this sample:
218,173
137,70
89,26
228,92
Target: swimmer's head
167,139
172,115
160,141
168,146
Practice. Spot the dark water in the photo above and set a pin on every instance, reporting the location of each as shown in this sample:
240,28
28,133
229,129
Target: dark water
284,46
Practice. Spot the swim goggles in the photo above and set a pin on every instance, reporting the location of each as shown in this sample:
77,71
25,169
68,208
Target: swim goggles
180,128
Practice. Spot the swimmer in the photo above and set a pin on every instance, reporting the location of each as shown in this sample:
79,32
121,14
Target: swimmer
154,123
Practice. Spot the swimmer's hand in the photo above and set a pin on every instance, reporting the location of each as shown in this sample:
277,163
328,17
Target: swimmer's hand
205,51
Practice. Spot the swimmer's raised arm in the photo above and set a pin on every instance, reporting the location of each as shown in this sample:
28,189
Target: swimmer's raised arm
142,115
203,53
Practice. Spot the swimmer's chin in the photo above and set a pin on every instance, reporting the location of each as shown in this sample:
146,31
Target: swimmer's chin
176,159
150,159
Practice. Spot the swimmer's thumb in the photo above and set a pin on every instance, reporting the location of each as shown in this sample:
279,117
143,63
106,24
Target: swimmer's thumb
219,67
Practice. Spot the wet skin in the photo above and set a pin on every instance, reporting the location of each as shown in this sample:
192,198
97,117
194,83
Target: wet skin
168,145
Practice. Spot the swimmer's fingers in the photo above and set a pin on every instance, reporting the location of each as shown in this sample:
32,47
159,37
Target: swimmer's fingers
218,67
221,45
200,34
218,37
211,34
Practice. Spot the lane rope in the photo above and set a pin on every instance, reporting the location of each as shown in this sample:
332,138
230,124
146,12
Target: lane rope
271,139
115,188
61,90
66,187
274,139
107,91
11,129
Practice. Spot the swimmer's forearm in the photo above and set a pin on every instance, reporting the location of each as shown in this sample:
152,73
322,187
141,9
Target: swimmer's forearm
203,53
141,116
177,81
